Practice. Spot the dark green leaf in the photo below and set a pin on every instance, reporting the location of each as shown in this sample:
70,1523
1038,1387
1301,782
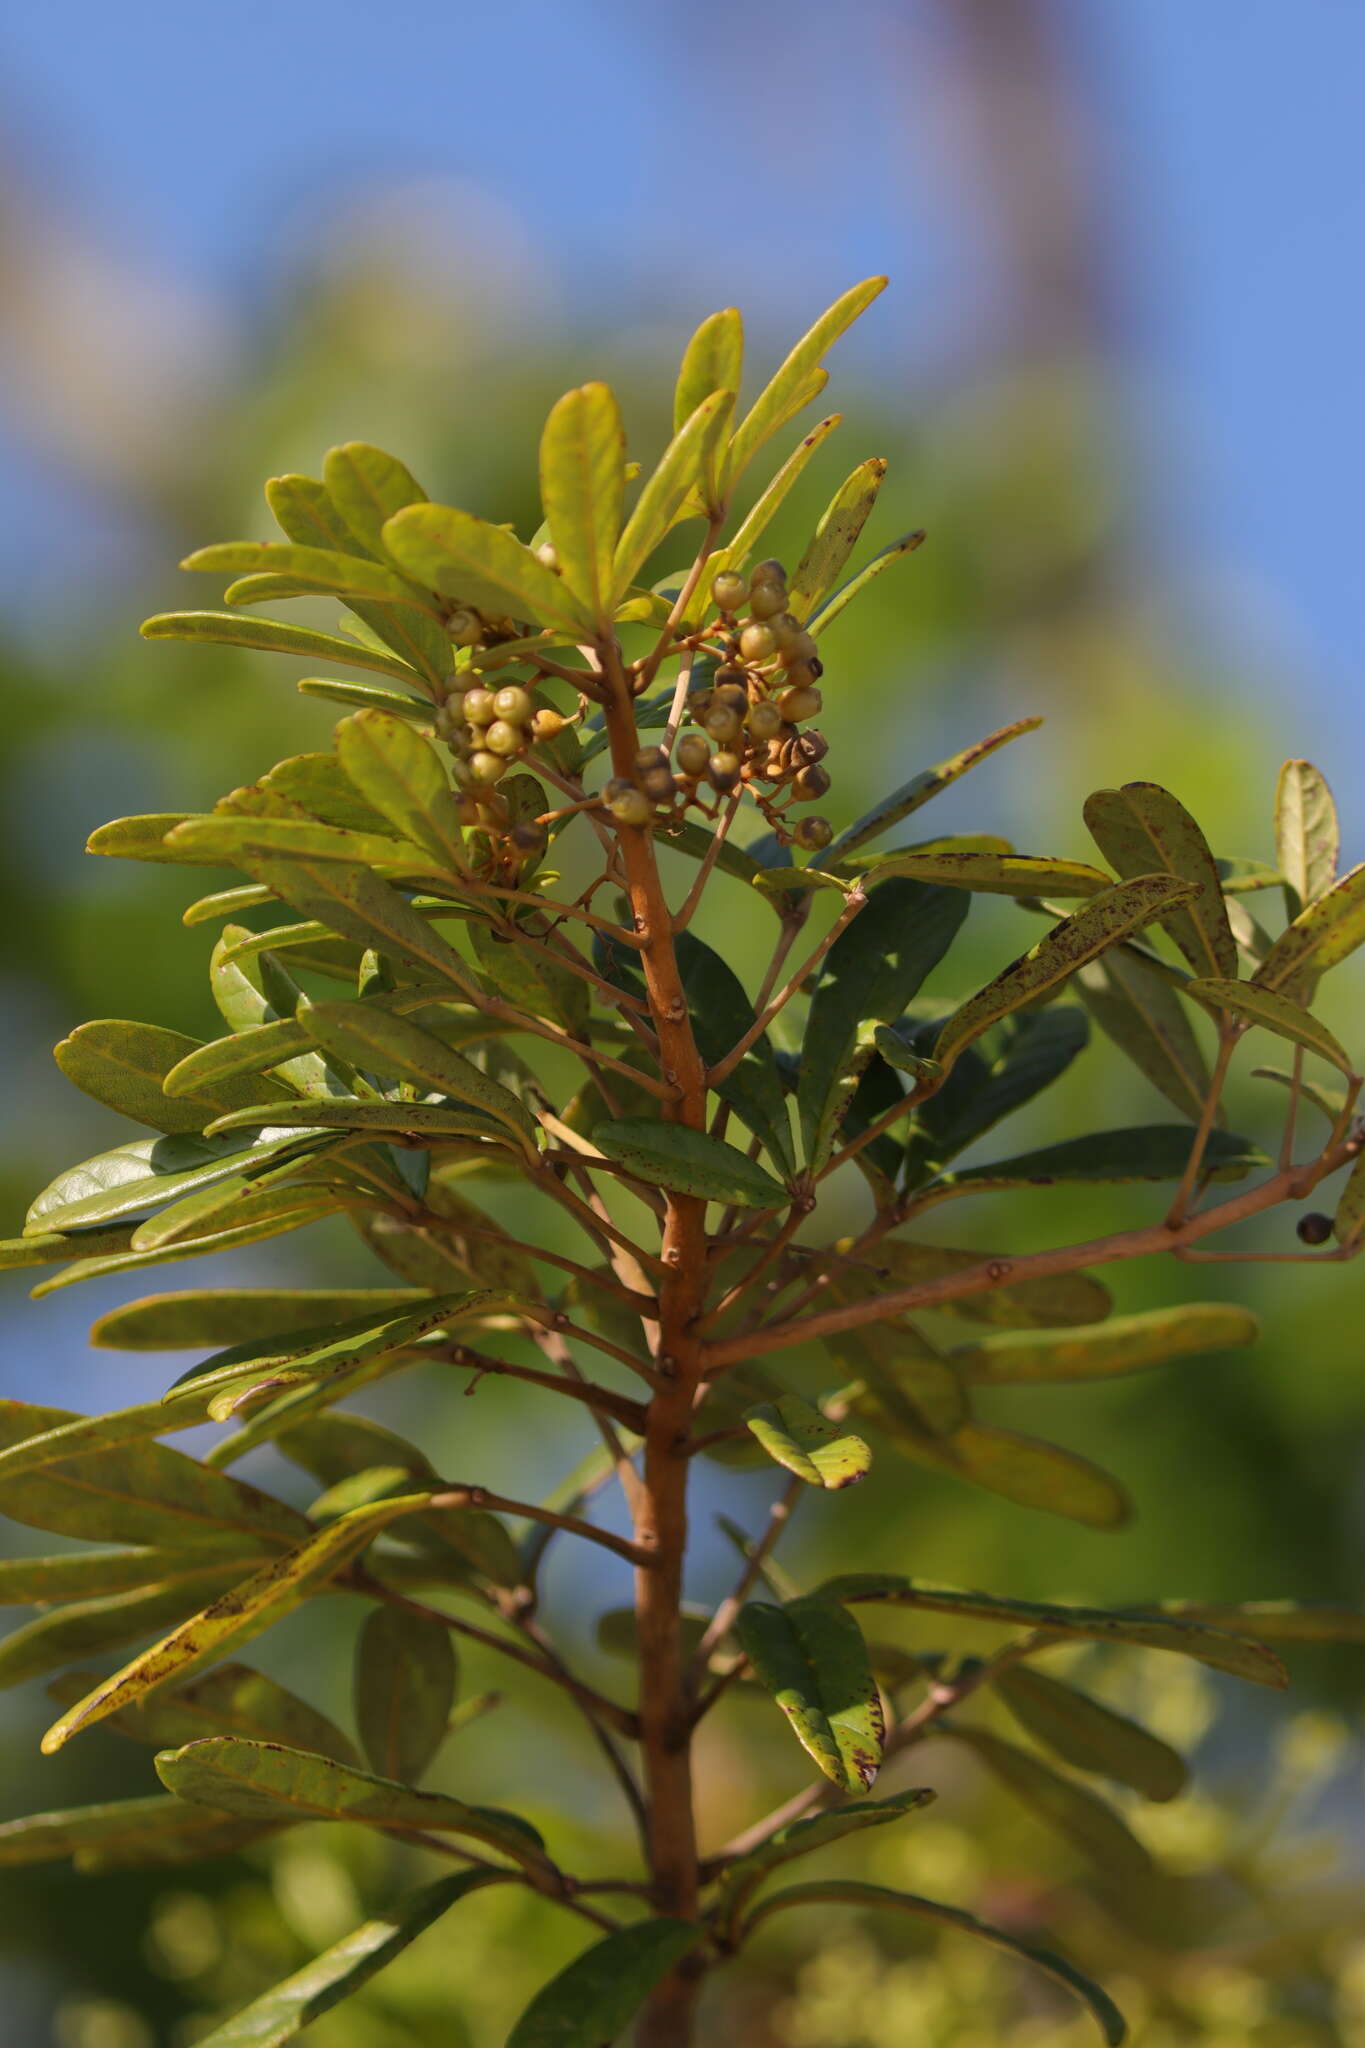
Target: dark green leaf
126,1832
1143,830
689,1162
1131,998
137,1178
212,1316
123,1064
913,794
602,1990
1144,1152
1005,1069
721,1014
1089,1735
404,1691
811,1657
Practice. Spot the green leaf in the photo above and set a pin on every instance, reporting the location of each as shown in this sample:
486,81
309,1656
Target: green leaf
912,795
90,1628
685,837
1023,1469
79,1575
232,1699
994,874
721,1014
361,907
236,629
1278,1621
126,1832
225,903
212,1316
683,467
774,403
368,487
1154,1628
473,562
1125,1344
1073,1810
369,697
255,1218
688,1162
101,1478
1006,1068
52,1247
231,837
871,973
288,2008
349,576
1331,1101
1144,1152
802,1838
403,1119
1089,1735
144,838
1088,932
235,1617
836,535
320,785
1321,937
799,1437
1307,835
537,982
822,620
123,1064
381,1042
905,1380
1278,1013
267,1781
1349,1221
851,1892
401,774
582,487
404,1691
763,511
811,1657
1143,830
1132,1000
214,1211
601,1991
1027,1304
135,1179
712,361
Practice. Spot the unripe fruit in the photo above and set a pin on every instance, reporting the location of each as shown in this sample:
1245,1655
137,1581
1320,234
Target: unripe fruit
784,627
693,754
770,571
529,837
766,600
1315,1228
724,724
764,720
631,807
548,554
810,783
756,643
478,707
504,738
802,701
812,835
547,722
817,667
464,627
799,646
729,590
658,784
650,757
736,695
486,767
800,674
514,704
724,771
618,786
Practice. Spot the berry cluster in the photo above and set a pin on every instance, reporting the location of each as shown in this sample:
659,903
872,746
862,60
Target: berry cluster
489,729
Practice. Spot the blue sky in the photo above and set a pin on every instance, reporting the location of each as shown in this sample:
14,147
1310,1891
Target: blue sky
771,153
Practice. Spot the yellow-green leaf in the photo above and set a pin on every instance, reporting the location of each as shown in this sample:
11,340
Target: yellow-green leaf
1122,1345
404,1691
401,774
799,1437
836,535
473,562
774,403
1089,1735
1142,829
235,629
367,487
582,487
810,1655
1322,936
1307,834
1278,1013
683,466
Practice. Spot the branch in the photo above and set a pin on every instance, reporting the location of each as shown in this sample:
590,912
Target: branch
630,1414
456,1496
725,1616
694,895
854,903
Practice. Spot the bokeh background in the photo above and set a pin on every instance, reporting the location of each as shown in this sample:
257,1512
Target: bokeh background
1117,373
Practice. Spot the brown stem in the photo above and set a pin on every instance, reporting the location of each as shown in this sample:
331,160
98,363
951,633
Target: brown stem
453,1495
854,904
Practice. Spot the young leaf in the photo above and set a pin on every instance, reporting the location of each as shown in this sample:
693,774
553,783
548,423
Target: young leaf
1076,1812
1088,932
127,1831
712,361
404,1691
1125,1344
689,1162
236,629
871,972
229,838
721,1014
852,1892
800,1438
917,792
350,576
368,487
821,621
1322,936
836,536
601,1991
764,510
123,1065
1131,998
683,467
267,1781
1142,829
801,1838
811,1657
1089,1735
1278,1013
213,1316
286,2009
1144,1152
774,403
1307,835
582,487
400,773
1155,1628
473,562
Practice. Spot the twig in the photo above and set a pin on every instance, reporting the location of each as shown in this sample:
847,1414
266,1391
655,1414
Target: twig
854,903
630,1414
456,1496
725,1616
683,917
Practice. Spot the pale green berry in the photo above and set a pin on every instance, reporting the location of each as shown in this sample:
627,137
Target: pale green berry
729,590
724,724
766,600
650,757
548,554
800,702
800,647
486,767
504,738
631,807
757,644
724,771
514,704
764,720
478,707
693,754
464,627
617,786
